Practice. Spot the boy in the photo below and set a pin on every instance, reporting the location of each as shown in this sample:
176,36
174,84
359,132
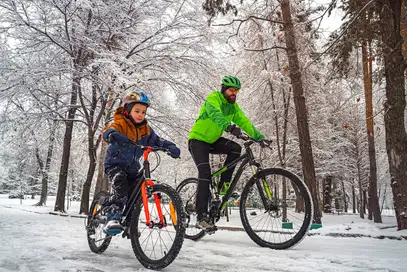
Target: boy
122,159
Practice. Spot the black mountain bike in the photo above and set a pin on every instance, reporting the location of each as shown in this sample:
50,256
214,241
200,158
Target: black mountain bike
153,218
275,205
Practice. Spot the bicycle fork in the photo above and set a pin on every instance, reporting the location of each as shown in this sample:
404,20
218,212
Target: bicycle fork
146,188
265,192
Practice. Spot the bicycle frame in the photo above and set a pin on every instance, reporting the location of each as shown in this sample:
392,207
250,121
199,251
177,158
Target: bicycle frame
143,187
246,158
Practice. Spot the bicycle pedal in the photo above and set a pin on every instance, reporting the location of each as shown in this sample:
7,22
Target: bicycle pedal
126,233
211,230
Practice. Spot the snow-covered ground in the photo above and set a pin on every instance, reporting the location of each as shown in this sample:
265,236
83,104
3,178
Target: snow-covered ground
33,240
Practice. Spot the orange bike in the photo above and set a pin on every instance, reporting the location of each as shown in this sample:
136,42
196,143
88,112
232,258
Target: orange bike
153,218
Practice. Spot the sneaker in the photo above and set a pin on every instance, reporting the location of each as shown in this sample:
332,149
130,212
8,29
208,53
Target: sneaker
113,225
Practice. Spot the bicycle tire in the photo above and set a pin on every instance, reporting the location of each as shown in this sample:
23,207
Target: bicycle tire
307,214
190,213
93,222
135,235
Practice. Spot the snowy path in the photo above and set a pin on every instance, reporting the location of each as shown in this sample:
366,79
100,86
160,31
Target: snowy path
41,242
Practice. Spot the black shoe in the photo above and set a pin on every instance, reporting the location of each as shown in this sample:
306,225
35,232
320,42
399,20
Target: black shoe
203,222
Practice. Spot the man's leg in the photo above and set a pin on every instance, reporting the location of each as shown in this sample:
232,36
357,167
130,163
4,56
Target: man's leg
233,151
200,154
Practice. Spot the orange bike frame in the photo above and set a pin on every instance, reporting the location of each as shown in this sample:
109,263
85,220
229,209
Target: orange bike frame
148,183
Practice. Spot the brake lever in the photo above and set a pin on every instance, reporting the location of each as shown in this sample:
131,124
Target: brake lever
266,143
169,154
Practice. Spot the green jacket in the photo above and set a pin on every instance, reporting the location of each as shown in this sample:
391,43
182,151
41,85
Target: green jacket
216,115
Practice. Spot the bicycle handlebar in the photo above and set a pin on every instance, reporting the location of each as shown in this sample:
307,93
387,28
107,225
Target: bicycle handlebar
153,148
263,142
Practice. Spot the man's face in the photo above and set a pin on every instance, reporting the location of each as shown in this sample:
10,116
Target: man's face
230,94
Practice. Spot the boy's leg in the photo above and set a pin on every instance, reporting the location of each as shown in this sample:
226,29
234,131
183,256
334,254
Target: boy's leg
120,185
200,154
233,151
118,177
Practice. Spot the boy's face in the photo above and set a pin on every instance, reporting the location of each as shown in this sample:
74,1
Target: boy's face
138,112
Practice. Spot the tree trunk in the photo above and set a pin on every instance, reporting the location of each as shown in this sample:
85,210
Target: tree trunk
41,169
384,198
353,199
403,30
374,208
396,137
86,186
327,194
359,170
93,124
364,202
345,201
300,107
66,153
101,181
45,170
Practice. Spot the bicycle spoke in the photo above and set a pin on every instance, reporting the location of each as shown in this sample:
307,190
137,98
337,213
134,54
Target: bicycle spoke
98,240
281,222
154,244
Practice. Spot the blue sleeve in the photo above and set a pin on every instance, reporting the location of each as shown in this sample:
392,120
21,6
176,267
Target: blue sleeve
155,140
107,133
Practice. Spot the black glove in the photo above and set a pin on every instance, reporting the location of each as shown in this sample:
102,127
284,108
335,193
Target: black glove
234,130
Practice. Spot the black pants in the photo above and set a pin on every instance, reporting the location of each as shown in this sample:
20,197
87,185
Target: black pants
123,184
200,153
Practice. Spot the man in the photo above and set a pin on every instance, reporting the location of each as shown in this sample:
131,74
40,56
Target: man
215,117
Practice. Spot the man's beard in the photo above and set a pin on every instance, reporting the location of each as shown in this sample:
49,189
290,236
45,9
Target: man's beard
231,99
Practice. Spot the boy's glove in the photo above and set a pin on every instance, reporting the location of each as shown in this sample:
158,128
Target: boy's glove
174,151
234,130
118,138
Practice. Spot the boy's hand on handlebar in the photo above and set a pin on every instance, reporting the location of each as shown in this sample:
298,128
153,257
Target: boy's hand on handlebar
174,151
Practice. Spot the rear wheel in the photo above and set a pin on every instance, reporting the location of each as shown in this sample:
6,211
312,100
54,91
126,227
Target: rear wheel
98,240
285,217
156,245
187,189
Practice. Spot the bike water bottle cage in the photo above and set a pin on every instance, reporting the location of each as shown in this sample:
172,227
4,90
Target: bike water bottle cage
225,188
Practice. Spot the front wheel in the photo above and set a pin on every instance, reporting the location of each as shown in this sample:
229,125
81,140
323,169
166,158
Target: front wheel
157,245
281,219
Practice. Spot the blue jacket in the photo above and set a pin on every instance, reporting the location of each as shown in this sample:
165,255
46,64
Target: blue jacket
124,154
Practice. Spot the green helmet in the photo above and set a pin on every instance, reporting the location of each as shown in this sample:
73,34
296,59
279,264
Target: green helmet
231,81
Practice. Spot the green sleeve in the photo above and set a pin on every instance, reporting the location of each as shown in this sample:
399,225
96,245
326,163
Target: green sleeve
212,105
244,123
